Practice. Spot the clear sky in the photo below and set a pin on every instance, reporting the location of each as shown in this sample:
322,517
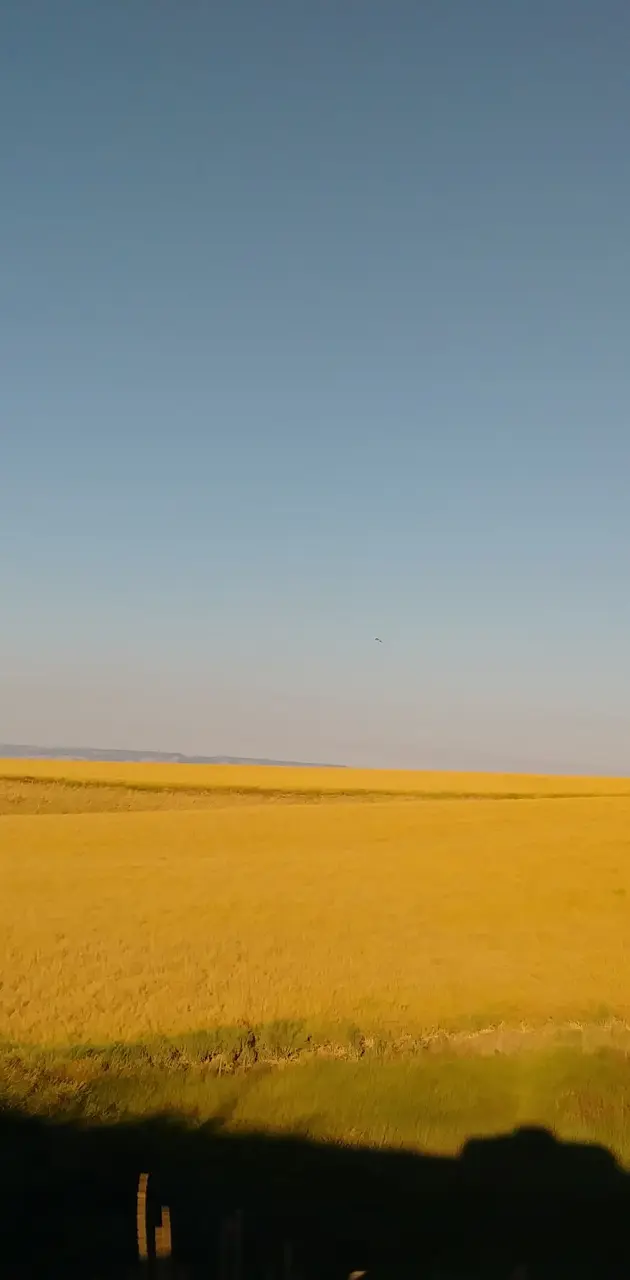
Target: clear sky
314,327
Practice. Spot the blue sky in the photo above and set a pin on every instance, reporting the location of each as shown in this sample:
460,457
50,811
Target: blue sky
315,327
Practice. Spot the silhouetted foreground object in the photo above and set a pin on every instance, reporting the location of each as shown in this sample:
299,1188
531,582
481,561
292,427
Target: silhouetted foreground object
241,1207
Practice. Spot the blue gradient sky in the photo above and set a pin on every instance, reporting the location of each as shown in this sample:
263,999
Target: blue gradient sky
315,327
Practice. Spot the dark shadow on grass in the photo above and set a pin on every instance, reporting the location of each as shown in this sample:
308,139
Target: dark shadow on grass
68,1203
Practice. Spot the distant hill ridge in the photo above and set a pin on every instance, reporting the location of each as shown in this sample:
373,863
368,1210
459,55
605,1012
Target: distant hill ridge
9,751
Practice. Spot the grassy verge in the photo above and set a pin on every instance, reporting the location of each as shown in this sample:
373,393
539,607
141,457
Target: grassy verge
431,1101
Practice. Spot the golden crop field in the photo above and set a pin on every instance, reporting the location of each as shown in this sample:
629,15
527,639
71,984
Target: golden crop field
297,781
399,915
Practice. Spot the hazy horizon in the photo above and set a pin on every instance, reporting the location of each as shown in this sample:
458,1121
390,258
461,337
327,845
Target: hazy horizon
315,329
59,750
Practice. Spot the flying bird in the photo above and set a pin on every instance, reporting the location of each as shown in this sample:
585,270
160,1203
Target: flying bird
378,640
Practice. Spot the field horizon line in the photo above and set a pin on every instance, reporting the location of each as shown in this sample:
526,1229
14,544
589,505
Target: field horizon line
298,793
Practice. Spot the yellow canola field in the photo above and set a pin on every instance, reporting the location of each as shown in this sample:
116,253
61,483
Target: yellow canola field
398,915
306,781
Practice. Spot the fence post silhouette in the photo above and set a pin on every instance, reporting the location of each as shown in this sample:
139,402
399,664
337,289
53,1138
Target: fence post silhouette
141,1221
154,1242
